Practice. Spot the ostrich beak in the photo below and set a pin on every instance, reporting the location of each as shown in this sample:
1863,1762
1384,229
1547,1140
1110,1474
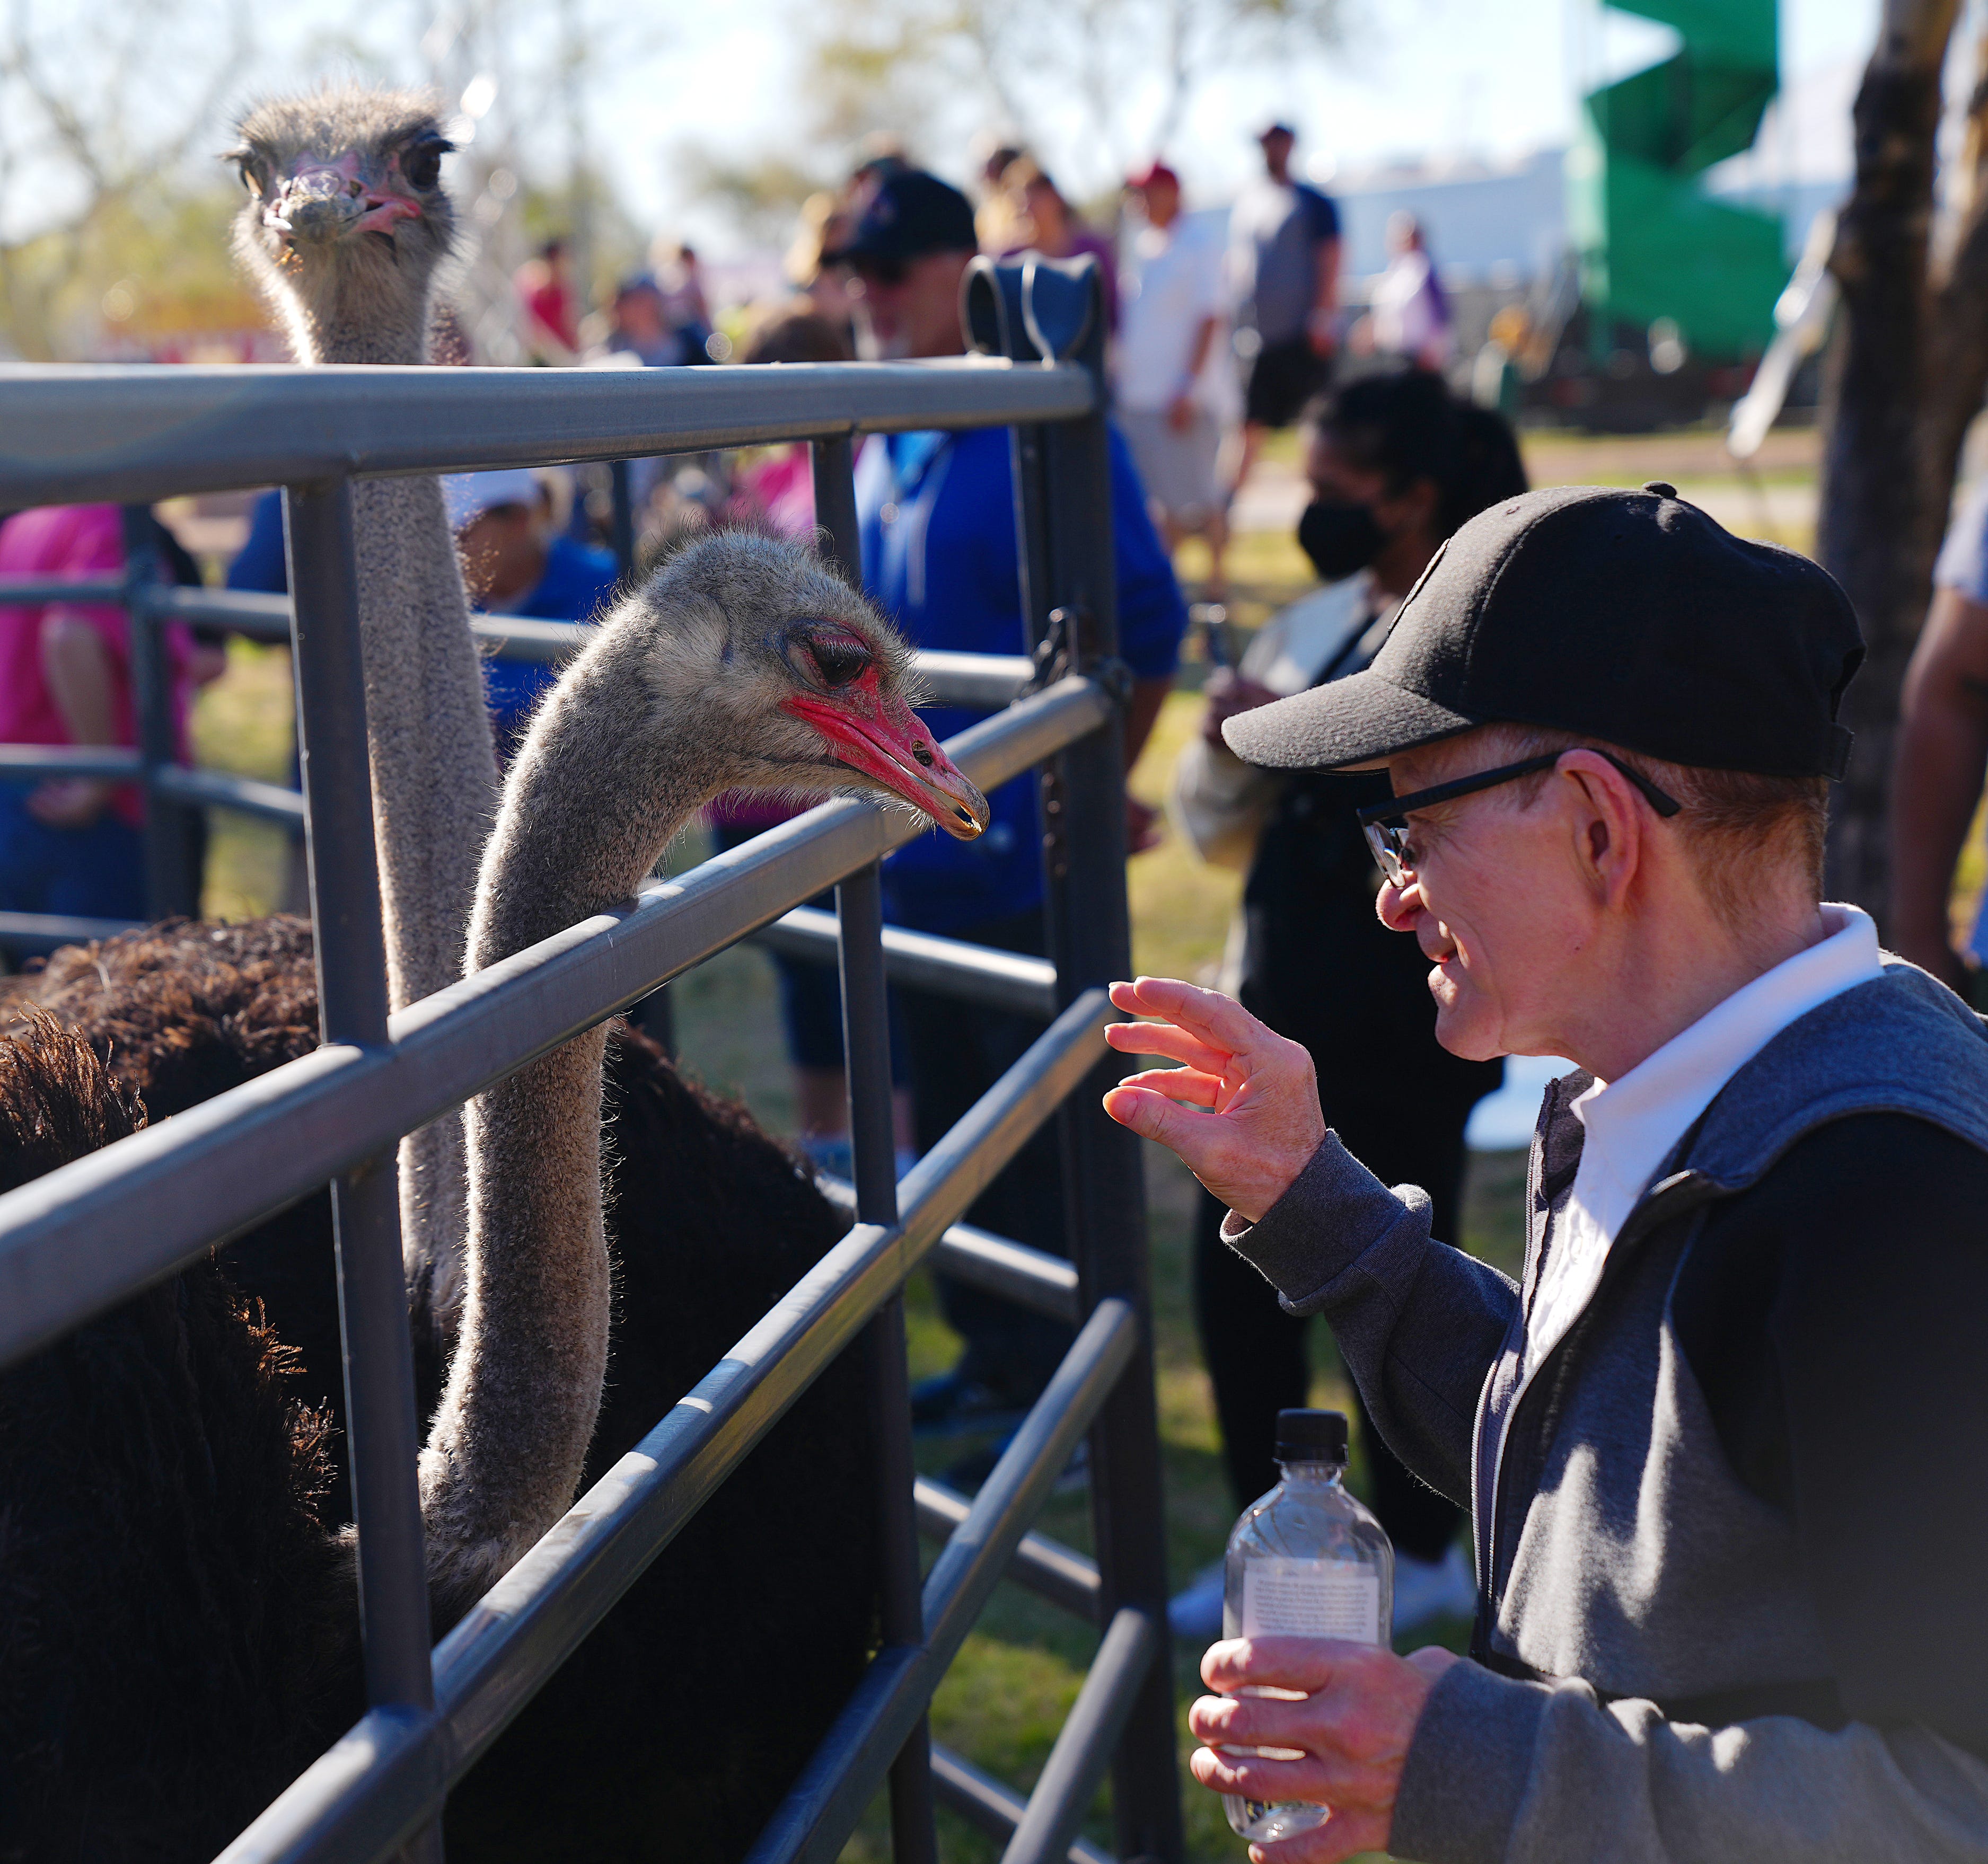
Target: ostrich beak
324,200
889,743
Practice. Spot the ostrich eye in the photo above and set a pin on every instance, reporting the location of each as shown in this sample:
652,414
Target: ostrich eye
422,164
244,166
840,658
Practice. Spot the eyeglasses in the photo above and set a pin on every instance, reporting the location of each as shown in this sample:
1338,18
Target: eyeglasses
880,272
1385,824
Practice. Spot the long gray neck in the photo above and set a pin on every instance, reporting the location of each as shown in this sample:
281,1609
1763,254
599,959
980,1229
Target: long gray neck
435,767
343,318
592,801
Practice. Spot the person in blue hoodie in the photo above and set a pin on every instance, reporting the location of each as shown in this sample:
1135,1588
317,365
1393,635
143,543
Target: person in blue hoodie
939,556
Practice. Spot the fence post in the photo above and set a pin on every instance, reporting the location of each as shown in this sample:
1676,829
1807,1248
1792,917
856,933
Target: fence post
655,1016
865,1047
1063,512
172,866
381,1426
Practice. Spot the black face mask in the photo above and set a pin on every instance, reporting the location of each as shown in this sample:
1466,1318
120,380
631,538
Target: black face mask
1339,538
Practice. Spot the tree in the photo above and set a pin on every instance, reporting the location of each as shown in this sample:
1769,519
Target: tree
1126,69
103,111
1907,370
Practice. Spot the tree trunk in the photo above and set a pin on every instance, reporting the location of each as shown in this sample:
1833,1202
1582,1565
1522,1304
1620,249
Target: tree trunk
1878,526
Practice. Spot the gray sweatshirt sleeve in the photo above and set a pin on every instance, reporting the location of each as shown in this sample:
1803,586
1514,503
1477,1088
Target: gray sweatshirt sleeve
1419,1324
1507,1772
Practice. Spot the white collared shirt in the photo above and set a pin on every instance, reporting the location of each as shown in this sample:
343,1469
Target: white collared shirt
1632,1123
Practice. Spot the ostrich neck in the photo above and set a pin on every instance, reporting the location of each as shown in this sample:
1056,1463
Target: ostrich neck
583,821
434,766
342,319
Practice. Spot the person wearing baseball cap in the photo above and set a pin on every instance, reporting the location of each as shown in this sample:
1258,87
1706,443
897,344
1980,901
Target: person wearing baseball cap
1725,1444
939,557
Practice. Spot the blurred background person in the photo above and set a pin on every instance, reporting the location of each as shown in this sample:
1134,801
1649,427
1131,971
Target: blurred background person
518,559
1283,260
75,845
1395,464
1408,317
939,557
685,308
1170,366
1040,220
545,288
778,490
640,325
1942,755
992,155
825,223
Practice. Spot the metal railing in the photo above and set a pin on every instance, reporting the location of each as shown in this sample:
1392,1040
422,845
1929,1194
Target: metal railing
173,789
90,1234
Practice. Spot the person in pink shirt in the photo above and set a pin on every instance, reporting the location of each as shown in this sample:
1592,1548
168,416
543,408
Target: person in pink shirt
72,845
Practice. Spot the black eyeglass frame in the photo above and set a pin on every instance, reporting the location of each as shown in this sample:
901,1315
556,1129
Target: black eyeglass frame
1385,824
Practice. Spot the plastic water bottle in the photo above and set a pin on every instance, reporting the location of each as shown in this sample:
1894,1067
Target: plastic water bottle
1306,1561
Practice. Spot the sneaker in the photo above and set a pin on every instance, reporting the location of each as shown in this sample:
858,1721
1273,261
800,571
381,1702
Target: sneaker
1195,1614
1426,1590
951,1406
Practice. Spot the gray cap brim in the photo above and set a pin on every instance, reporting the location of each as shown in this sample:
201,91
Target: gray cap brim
1353,720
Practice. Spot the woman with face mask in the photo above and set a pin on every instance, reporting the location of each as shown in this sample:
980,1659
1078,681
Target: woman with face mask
1396,463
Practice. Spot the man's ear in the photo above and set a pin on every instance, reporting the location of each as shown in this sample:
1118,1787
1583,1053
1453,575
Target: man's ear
1607,825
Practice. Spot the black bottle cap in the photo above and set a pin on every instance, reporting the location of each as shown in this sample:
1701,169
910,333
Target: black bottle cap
1311,1437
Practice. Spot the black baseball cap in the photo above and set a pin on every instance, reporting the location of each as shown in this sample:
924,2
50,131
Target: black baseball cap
912,212
1630,616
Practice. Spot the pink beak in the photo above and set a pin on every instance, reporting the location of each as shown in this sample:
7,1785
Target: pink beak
322,198
888,742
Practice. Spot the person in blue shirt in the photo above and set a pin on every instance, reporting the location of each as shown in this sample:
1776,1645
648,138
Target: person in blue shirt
515,561
939,556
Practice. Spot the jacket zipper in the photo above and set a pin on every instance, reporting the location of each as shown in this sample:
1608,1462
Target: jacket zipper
1677,1195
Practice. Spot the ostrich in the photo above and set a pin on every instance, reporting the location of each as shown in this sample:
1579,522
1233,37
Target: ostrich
177,1628
346,224
711,1221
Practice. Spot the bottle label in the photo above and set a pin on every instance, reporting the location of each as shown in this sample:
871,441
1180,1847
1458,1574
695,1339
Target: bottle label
1286,1597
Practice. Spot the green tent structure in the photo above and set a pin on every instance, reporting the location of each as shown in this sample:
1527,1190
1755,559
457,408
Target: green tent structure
1650,244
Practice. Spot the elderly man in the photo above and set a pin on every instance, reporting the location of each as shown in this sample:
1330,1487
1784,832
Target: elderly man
1726,1442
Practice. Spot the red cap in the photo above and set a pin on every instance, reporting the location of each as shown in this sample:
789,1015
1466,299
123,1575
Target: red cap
1152,172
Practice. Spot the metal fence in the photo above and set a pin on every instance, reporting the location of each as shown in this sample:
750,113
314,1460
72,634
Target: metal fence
92,1234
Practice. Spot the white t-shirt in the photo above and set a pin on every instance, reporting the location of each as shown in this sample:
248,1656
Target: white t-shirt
1169,284
1631,1124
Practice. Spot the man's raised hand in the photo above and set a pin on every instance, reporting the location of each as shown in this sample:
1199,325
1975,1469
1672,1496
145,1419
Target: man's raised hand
1241,1110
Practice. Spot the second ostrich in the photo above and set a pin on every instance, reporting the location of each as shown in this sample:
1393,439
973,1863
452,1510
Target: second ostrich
741,664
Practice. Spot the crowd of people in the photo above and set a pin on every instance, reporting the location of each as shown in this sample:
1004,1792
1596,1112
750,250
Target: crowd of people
1653,705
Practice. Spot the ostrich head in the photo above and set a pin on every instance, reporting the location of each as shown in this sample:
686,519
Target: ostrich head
345,220
757,659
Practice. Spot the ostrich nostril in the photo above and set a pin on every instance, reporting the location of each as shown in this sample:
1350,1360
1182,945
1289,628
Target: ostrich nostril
923,754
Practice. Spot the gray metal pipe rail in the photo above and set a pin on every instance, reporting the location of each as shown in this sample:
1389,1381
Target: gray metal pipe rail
989,1806
81,1239
947,966
86,1236
487,1667
135,433
1047,1567
1029,1277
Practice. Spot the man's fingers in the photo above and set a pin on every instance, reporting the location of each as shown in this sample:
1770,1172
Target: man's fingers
1306,1663
1314,1781
1180,1130
1219,1021
1187,1084
1167,1039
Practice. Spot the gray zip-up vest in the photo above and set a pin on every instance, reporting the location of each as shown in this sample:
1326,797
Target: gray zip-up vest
1614,1541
